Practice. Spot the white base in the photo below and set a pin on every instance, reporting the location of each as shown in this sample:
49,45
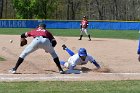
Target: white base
73,72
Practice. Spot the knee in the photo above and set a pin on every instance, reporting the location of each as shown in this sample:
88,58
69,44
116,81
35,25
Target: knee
54,55
23,55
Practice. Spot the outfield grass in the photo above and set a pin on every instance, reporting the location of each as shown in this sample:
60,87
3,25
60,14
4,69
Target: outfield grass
120,34
71,87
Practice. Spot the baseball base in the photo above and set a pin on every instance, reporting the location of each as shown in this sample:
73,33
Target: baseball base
73,72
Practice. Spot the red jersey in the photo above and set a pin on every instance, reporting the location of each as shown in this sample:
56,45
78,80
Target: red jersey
84,23
40,32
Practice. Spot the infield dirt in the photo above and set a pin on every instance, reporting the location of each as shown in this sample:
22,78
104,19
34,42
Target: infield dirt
117,57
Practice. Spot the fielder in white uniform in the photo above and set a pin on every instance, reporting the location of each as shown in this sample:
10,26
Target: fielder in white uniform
80,58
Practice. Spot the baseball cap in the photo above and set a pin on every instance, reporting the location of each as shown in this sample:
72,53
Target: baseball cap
42,25
84,16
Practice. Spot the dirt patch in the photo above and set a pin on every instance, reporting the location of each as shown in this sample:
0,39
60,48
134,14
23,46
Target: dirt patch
114,56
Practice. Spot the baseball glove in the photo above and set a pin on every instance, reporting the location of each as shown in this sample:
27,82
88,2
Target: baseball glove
53,42
84,26
23,42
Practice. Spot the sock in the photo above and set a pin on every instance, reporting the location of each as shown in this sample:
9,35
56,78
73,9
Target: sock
89,37
81,37
20,60
57,62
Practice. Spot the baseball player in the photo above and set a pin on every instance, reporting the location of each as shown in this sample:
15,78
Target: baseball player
81,58
83,26
138,52
42,39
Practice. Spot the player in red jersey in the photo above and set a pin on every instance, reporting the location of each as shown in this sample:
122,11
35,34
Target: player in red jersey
42,39
84,25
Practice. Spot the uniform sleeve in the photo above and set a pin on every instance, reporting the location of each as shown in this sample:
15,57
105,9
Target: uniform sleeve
26,34
91,59
49,36
29,34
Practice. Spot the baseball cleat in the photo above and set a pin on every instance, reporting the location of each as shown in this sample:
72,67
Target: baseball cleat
62,72
79,39
89,40
13,71
64,46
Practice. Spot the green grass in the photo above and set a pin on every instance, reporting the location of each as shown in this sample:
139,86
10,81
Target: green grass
119,34
2,59
71,87
13,31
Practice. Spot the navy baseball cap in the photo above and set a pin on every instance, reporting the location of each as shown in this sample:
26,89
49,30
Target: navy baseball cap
84,16
42,25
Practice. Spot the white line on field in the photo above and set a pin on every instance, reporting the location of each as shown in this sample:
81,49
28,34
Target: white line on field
30,77
47,75
120,73
54,77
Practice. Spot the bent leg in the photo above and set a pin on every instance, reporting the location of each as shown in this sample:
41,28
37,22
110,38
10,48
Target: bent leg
29,49
86,32
56,60
70,52
81,34
26,51
48,48
62,63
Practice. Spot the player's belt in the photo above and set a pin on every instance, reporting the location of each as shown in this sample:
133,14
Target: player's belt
41,36
44,36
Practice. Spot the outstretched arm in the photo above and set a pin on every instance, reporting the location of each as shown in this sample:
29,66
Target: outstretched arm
96,64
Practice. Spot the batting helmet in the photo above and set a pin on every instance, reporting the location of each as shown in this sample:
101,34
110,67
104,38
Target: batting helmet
42,25
82,52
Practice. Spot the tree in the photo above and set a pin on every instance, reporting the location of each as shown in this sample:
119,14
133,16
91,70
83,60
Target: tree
75,9
28,9
72,8
1,8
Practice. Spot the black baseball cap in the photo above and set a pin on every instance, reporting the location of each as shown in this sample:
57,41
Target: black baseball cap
84,16
42,25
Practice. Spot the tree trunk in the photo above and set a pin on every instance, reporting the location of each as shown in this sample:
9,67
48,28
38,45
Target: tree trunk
99,11
1,8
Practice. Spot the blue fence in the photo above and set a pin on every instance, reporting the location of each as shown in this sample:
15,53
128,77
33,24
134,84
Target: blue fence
105,25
